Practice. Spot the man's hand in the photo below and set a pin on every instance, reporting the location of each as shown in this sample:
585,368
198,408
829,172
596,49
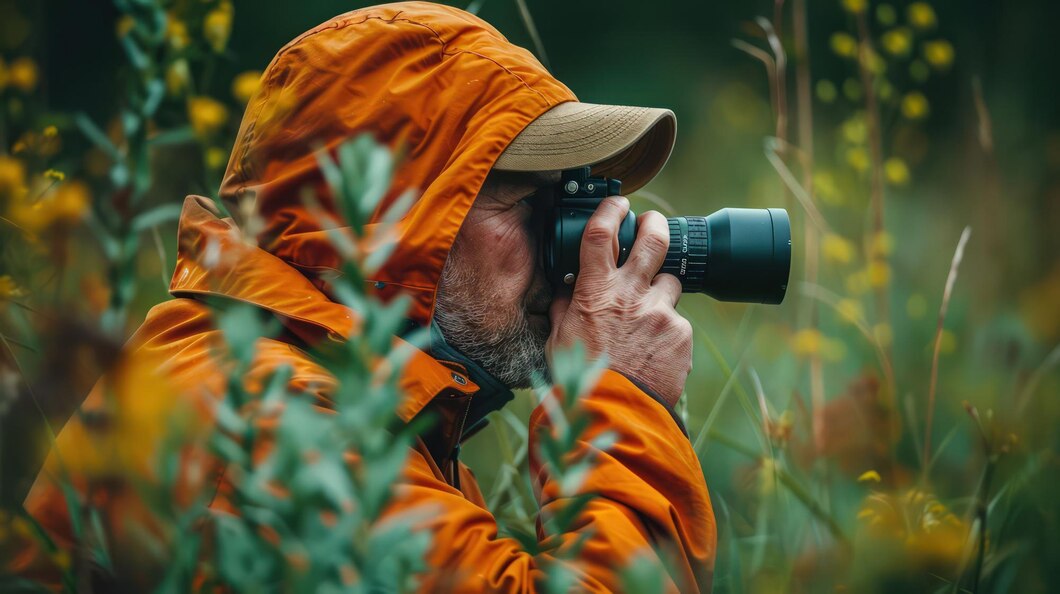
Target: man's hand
627,313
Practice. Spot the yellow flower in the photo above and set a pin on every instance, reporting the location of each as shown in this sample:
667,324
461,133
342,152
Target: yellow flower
826,189
858,158
844,45
55,175
850,310
177,76
939,54
9,288
897,42
921,15
869,475
873,62
855,6
207,115
916,306
217,26
66,205
23,74
825,90
12,175
216,158
807,341
177,33
896,171
124,26
879,274
915,106
245,85
883,334
837,249
855,129
881,244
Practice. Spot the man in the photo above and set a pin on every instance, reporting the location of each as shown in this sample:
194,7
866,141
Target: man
482,126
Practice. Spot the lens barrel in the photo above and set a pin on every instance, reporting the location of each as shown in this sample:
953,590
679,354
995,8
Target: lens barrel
735,254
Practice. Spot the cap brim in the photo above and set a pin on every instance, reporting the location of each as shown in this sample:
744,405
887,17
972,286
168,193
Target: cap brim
627,143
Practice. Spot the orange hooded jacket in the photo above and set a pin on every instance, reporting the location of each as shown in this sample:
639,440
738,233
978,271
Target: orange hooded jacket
451,92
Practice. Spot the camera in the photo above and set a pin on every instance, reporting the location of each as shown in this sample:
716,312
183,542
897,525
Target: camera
735,254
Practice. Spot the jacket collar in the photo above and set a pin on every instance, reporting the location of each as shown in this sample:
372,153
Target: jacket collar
213,259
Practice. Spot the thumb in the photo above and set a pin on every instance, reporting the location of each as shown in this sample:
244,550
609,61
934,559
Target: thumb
557,311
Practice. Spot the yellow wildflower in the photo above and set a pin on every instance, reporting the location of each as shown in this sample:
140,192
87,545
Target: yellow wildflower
896,171
825,90
897,42
915,106
245,85
879,274
881,244
207,115
807,341
66,205
855,129
939,54
826,189
12,175
217,26
855,6
869,475
177,33
54,175
872,61
124,26
23,74
886,14
858,158
916,306
177,76
216,158
844,45
850,310
837,249
921,15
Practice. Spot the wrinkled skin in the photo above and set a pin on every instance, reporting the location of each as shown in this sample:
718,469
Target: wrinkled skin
498,289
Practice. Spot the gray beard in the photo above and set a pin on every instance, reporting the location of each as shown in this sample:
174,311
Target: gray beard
511,350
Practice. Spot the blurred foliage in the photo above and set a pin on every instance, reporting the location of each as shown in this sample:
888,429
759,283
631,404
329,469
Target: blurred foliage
854,439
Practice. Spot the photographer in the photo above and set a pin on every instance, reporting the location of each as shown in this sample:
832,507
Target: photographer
483,128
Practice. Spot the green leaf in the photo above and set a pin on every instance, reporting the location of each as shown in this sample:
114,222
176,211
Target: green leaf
156,216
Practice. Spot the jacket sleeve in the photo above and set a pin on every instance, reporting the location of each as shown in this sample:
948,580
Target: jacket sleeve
651,499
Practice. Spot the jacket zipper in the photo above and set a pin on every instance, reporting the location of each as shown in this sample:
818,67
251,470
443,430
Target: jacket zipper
455,454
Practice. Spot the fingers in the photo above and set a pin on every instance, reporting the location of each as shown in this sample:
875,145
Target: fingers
668,286
649,249
600,239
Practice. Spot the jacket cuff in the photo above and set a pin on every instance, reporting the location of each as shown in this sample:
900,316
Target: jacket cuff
659,399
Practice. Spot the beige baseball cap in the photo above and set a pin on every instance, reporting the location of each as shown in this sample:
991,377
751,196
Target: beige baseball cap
628,143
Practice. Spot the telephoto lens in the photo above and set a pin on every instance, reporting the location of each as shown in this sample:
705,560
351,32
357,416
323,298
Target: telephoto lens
735,254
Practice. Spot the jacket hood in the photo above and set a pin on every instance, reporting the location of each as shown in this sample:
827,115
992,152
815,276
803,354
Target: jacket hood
433,83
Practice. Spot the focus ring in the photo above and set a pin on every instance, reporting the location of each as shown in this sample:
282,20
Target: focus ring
686,258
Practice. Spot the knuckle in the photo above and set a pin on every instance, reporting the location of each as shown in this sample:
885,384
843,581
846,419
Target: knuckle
598,233
655,241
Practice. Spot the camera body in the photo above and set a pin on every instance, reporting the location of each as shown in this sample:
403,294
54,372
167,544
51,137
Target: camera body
735,254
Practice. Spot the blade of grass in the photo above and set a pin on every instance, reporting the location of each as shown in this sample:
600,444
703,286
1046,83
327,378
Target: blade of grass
947,293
